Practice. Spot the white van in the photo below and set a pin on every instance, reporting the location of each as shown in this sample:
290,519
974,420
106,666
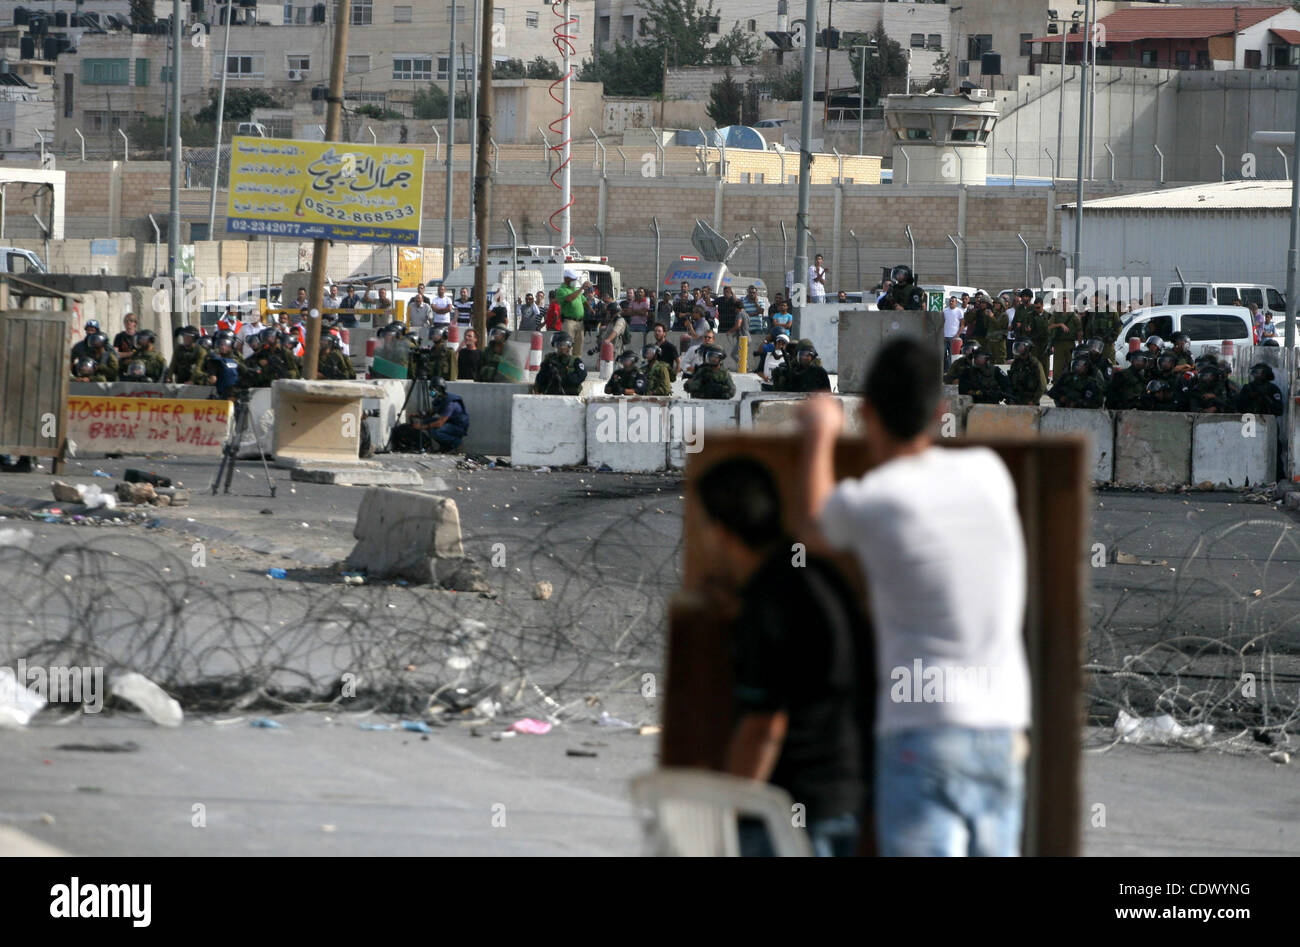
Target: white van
18,261
1208,326
551,262
1266,297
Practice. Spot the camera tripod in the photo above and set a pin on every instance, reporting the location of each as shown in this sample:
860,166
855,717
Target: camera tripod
230,451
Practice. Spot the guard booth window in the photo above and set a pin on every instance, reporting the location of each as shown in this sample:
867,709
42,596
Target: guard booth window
1198,296
1252,295
1275,300
1224,295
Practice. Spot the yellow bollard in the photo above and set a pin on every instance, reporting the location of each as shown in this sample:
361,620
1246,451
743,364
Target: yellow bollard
742,357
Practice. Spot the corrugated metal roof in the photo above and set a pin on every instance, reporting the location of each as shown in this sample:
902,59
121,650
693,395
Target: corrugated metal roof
1134,24
1230,195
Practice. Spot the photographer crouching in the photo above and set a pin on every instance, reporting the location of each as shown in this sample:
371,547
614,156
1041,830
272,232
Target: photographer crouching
440,430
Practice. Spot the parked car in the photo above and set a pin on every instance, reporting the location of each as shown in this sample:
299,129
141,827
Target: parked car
1208,326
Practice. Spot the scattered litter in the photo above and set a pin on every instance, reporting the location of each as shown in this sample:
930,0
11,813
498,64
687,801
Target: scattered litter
17,703
416,726
531,726
95,498
593,743
329,828
1280,756
607,721
265,512
1160,730
128,747
16,537
277,573
266,723
366,725
502,735
579,753
90,789
487,707
306,526
605,468
542,591
649,730
542,470
100,473
149,697
1128,559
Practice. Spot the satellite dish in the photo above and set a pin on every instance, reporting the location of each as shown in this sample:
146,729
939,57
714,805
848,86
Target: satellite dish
708,243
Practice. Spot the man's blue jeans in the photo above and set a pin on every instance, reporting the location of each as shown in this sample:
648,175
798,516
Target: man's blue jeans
950,791
834,837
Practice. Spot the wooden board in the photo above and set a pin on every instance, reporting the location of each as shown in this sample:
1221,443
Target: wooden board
34,372
1052,488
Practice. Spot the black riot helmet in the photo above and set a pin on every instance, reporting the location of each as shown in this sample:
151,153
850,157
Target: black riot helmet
901,274
562,339
1023,347
626,358
1166,361
1261,372
650,352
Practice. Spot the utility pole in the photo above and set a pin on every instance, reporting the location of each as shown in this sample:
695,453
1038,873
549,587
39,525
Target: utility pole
471,227
447,248
483,183
826,92
221,108
174,209
333,127
862,93
1083,129
800,275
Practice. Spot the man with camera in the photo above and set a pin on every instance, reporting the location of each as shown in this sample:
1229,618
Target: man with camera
440,430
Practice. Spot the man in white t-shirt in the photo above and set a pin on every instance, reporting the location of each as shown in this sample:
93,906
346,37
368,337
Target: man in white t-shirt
817,278
945,573
952,317
441,305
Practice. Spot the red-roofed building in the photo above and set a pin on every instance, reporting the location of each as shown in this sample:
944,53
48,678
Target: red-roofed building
1166,37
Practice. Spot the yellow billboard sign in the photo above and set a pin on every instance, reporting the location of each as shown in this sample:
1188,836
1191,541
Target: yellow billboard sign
325,190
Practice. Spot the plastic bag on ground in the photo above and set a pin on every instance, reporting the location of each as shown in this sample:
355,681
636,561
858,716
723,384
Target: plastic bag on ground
1160,730
17,703
149,697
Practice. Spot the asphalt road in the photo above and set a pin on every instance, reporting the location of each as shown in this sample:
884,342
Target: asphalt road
321,784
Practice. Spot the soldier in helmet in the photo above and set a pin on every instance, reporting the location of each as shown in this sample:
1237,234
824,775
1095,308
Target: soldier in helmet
442,360
97,350
984,381
1026,383
657,380
186,357
804,372
1184,361
154,366
1154,346
222,366
1065,331
1260,395
1159,396
904,294
1207,393
1097,353
83,348
490,367
1079,389
623,381
331,362
961,364
711,379
1125,390
85,369
562,372
1102,321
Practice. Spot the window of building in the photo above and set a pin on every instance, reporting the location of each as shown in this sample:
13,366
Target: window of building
298,61
68,79
244,65
300,16
363,12
1253,59
1182,58
142,72
531,19
105,71
360,63
918,40
711,24
934,41
413,67
1202,59
165,73
1149,57
629,28
402,14
752,26
1026,47
463,72
460,13
979,44
499,15
602,30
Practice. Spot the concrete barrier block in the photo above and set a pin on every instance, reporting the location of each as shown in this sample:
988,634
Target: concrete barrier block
489,407
389,405
318,421
750,400
140,389
261,424
629,435
548,431
690,422
400,534
1153,447
862,334
820,322
781,415
1002,420
952,422
1227,451
1098,425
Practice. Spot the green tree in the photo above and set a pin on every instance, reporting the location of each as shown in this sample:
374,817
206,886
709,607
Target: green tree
787,86
625,69
886,65
510,69
147,134
725,100
543,68
239,105
939,79
142,17
738,45
431,102
370,110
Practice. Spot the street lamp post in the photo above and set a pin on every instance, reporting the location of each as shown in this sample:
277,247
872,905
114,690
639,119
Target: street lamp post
1083,128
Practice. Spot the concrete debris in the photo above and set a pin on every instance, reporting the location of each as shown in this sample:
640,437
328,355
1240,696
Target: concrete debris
1160,730
1280,756
542,591
136,493
17,703
66,492
401,534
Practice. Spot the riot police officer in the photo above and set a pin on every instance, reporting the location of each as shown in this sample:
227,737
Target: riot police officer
984,382
154,366
1079,389
905,294
658,382
805,373
623,381
1026,383
1260,395
561,372
105,361
711,380
186,357
1125,390
490,367
332,363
